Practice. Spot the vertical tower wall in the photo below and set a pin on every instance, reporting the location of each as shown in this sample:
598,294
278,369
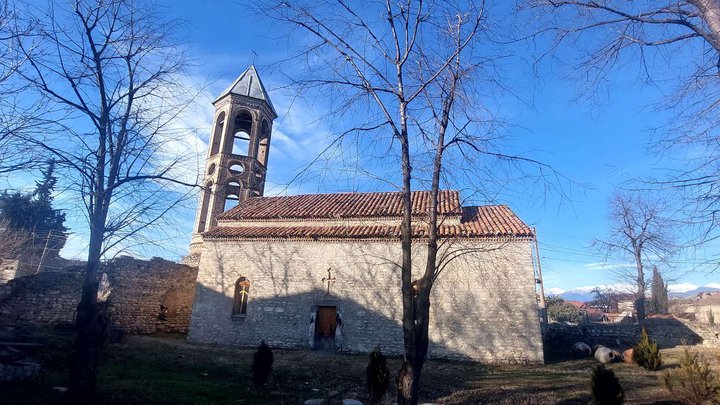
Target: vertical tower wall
238,151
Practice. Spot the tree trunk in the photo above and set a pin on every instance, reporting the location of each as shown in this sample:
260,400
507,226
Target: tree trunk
640,308
91,326
710,12
640,280
407,384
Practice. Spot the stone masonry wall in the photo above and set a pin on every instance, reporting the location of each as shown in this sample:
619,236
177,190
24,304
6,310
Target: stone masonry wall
146,296
667,332
43,298
483,305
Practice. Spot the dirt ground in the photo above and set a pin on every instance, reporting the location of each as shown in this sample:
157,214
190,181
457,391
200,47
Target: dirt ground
155,370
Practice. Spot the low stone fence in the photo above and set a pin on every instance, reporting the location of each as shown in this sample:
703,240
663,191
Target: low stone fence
146,296
667,332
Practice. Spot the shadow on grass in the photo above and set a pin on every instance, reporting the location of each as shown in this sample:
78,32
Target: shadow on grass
151,370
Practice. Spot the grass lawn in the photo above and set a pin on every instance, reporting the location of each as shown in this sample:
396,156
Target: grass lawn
153,370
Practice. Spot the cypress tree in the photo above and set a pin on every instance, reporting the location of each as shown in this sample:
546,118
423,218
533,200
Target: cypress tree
45,187
659,294
34,212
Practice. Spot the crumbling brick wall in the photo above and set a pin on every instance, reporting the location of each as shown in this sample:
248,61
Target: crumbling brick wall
150,296
146,296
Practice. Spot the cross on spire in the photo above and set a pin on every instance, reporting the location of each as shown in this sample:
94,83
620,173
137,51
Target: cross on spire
255,55
329,279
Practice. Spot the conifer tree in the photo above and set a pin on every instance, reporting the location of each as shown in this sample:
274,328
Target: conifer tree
45,187
658,289
33,213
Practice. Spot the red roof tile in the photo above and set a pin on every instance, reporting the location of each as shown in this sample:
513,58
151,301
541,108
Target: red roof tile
478,222
340,205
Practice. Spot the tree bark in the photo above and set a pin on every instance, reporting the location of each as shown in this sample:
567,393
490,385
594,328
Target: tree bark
640,295
91,326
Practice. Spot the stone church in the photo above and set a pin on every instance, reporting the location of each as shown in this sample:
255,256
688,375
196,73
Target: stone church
320,271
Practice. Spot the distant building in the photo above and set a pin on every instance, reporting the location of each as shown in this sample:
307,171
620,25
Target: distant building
590,313
705,307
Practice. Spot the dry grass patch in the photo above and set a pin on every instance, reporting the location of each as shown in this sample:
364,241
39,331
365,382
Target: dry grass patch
150,370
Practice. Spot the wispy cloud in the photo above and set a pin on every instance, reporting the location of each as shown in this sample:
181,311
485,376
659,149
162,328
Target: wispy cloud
681,287
607,266
616,287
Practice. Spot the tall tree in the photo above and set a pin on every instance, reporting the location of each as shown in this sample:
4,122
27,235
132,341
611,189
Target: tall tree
113,70
640,233
18,115
23,213
658,294
404,75
672,45
45,187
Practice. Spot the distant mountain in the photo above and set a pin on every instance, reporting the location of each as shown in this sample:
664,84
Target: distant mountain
692,293
584,294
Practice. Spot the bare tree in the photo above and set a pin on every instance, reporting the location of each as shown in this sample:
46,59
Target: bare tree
402,75
18,116
641,233
675,46
12,241
112,71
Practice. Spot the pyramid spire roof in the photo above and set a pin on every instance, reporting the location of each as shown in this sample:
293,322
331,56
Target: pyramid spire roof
248,84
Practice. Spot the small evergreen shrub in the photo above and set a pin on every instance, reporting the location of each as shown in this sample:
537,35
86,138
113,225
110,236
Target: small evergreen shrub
694,382
262,364
646,353
378,376
605,386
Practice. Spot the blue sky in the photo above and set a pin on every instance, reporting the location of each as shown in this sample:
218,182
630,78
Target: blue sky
596,142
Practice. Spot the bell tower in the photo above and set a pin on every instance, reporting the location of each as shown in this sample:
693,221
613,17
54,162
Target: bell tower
237,158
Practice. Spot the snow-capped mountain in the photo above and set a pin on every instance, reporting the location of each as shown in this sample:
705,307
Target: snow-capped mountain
680,290
695,291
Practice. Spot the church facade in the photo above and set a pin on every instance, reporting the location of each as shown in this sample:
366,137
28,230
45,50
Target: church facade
321,271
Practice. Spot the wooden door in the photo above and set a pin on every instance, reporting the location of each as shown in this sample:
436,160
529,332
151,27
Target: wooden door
325,325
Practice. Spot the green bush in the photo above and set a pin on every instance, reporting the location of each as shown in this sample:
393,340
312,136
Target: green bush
605,386
378,375
694,382
560,311
646,353
262,364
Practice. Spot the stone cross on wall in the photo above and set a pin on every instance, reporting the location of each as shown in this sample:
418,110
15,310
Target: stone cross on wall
329,279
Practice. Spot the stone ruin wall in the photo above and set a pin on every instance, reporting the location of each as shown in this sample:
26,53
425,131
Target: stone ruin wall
146,297
667,332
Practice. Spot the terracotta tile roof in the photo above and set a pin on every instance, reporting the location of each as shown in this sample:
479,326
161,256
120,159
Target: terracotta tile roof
339,205
577,304
478,222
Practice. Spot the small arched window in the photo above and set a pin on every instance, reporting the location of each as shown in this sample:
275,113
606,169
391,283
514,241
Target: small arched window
206,193
241,137
240,299
231,201
237,168
263,152
217,134
241,143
